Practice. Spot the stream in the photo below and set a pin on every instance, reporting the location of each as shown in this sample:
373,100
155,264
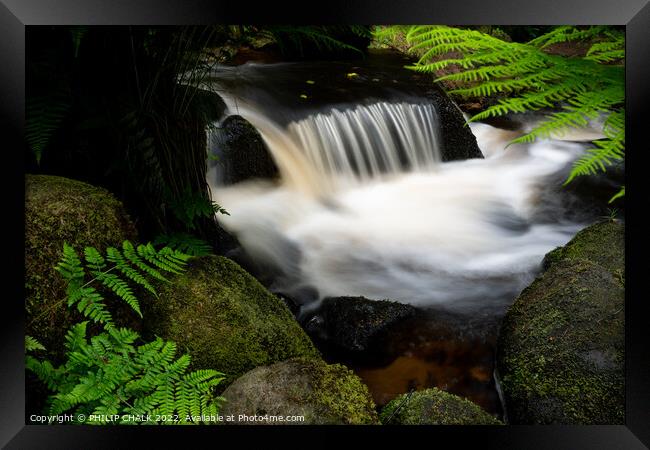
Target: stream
365,206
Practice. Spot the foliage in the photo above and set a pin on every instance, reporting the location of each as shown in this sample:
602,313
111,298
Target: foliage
138,265
110,379
324,38
529,77
121,107
185,243
189,206
109,375
44,116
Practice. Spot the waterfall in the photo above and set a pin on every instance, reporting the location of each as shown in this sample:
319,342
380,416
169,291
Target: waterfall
364,205
349,144
367,140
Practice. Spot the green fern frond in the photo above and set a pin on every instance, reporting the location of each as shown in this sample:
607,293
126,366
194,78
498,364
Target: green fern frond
44,114
597,159
185,243
132,255
121,288
110,374
288,37
527,77
567,34
91,305
94,259
70,266
114,256
131,265
149,254
619,194
32,344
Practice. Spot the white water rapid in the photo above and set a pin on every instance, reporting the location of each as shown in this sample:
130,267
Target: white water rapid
365,207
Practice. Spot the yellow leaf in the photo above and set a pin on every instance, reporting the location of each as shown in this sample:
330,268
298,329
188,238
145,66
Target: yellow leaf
311,82
352,75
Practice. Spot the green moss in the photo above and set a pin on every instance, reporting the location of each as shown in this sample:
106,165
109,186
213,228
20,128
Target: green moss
342,394
225,319
602,243
434,407
308,387
561,347
59,210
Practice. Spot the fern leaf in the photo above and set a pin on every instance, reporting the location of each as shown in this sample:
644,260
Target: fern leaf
619,194
70,266
149,254
132,255
44,114
121,263
94,259
120,288
185,243
32,344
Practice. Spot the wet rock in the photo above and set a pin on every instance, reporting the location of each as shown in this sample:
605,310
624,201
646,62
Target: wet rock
458,142
560,351
321,393
225,319
241,152
434,407
352,323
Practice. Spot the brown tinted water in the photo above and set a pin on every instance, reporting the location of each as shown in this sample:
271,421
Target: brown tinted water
453,355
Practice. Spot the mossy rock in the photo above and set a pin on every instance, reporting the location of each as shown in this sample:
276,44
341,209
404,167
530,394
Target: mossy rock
225,319
434,407
602,243
59,210
321,393
560,352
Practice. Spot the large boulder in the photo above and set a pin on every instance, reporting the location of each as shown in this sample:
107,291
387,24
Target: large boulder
561,346
241,152
59,210
352,323
434,407
321,393
458,142
225,319
602,243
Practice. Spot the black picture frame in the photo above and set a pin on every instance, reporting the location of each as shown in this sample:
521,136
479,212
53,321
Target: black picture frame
16,14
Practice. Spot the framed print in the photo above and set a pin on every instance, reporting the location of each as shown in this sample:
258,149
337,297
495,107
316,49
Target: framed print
376,218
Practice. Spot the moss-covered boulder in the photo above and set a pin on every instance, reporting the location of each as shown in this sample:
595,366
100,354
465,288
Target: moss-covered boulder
602,243
560,352
434,407
321,393
59,210
225,319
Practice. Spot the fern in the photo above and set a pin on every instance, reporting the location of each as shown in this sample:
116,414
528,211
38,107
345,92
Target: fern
322,37
190,206
44,114
110,377
185,243
32,344
130,265
528,77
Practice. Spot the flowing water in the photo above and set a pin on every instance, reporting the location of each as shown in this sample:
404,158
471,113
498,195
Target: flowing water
365,207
